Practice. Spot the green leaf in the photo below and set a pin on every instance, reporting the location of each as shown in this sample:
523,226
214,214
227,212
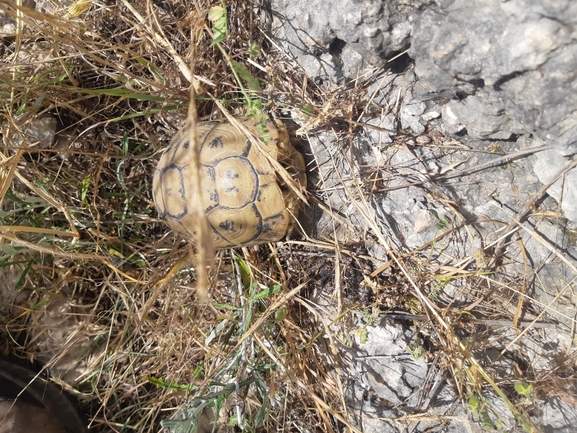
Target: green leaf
9,249
442,224
161,383
217,15
486,420
524,389
123,93
364,336
157,73
307,111
266,292
84,188
253,50
244,272
280,314
474,404
245,75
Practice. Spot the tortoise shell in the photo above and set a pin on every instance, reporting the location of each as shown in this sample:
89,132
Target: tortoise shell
244,202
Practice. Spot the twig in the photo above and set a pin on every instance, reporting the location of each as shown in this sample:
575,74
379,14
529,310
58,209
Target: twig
509,323
494,163
514,225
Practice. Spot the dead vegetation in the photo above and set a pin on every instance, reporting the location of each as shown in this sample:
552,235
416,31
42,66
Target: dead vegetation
98,292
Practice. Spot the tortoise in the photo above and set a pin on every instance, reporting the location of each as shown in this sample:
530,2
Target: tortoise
244,201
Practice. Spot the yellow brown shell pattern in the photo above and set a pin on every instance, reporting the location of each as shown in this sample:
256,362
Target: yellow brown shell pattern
243,201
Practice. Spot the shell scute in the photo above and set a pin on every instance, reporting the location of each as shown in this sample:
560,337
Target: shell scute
243,199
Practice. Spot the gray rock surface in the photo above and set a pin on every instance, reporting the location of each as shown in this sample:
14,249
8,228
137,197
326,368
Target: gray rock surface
388,382
488,78
484,70
8,25
509,67
564,191
417,206
495,70
339,40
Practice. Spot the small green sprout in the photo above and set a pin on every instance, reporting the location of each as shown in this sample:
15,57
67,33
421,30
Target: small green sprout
524,389
217,15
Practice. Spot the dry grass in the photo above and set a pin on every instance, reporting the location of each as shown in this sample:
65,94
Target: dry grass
100,293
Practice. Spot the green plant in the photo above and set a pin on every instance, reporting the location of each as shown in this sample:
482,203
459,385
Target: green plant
478,406
249,85
524,389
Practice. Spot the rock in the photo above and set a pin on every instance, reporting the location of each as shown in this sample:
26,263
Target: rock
340,40
8,23
559,415
40,132
564,191
481,116
494,69
341,217
509,68
386,127
411,117
387,378
488,78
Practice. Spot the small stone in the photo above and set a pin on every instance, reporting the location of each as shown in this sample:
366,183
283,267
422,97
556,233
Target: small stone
7,25
39,132
423,139
411,117
430,115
